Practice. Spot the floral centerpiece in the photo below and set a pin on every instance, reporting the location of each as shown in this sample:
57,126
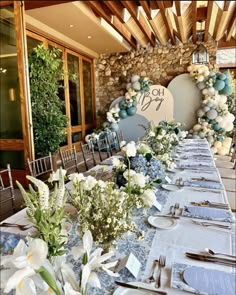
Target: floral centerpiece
45,210
162,139
101,208
28,270
136,183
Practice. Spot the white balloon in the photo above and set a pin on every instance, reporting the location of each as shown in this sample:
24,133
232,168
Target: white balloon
222,151
218,144
211,91
190,68
205,124
223,98
219,119
229,127
200,78
230,117
197,127
228,140
212,114
205,91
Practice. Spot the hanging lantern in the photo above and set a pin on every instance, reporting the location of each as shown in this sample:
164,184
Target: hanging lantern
200,55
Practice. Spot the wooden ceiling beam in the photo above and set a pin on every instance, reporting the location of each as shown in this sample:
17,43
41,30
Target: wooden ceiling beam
116,8
167,4
194,21
178,8
168,25
140,21
146,8
229,44
114,22
232,24
207,23
226,5
202,12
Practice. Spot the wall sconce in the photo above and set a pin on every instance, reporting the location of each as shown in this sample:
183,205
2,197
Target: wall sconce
12,94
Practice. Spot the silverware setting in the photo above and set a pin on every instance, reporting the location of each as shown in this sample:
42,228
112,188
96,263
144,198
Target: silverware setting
161,264
213,259
213,253
208,224
127,285
211,205
20,226
151,278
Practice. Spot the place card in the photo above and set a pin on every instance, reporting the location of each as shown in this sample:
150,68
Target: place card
129,262
157,205
167,179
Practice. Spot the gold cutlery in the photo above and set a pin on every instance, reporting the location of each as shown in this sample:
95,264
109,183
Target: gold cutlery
127,285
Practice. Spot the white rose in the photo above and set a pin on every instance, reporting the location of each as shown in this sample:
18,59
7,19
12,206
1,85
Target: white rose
89,182
116,162
138,179
76,177
130,149
149,197
128,173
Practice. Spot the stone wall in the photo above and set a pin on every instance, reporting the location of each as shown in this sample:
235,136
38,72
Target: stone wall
159,64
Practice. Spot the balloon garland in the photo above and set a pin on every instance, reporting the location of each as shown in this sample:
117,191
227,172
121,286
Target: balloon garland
128,105
214,119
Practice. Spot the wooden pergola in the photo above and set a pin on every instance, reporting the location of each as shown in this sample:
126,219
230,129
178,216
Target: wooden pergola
151,23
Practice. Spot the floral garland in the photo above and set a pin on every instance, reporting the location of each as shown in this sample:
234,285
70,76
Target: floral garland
214,119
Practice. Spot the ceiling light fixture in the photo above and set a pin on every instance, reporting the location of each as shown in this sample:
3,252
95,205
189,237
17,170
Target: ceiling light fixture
71,26
89,37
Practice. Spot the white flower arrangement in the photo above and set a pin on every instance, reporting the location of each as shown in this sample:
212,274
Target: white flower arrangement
28,271
45,210
113,114
100,208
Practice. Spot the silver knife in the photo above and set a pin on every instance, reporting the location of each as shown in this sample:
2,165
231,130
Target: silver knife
126,285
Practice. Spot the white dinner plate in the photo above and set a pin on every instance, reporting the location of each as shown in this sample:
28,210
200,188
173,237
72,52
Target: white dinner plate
127,291
162,222
171,187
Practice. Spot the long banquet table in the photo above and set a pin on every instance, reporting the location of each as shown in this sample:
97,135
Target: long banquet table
194,161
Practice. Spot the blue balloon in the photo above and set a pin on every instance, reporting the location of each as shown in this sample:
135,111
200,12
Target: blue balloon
123,114
227,74
227,81
222,77
219,85
216,127
131,111
122,105
227,90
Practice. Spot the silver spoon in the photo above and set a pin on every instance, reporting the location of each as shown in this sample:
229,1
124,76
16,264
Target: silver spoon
211,252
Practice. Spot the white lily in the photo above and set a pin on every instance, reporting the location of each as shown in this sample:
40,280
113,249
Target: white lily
60,200
43,191
68,289
95,262
86,248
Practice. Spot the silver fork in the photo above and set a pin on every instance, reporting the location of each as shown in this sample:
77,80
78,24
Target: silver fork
162,264
206,224
151,279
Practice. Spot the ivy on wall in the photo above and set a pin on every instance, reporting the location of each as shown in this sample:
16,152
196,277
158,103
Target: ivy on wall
49,122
